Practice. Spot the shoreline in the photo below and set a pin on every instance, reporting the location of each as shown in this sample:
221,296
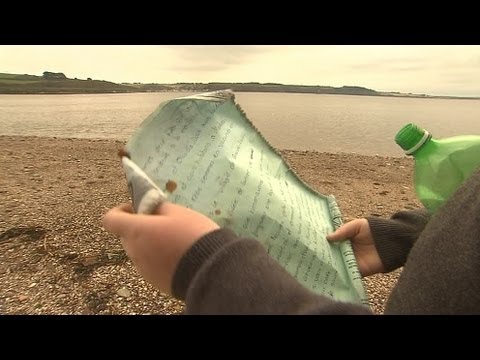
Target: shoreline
55,257
280,150
434,97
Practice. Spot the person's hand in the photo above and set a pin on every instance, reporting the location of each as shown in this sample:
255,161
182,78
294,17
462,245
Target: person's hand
156,243
358,231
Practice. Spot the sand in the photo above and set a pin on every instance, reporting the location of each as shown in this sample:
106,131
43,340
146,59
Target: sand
55,257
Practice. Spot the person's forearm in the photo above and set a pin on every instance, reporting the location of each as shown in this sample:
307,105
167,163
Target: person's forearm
395,237
225,274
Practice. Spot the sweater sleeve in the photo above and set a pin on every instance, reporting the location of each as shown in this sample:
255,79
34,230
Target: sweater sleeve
395,237
224,274
441,275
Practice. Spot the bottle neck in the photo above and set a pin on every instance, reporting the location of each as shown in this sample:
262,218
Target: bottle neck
425,138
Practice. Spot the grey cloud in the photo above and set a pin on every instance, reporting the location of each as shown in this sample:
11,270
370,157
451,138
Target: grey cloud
211,58
364,67
394,64
409,68
461,76
198,67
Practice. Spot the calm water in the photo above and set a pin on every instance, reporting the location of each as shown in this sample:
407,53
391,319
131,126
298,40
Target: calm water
331,123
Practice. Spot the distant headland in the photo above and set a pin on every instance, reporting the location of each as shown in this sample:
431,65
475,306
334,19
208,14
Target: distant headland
59,83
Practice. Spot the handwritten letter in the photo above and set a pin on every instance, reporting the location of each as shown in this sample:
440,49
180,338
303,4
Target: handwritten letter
226,170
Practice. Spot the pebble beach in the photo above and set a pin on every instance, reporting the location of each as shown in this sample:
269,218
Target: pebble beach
55,257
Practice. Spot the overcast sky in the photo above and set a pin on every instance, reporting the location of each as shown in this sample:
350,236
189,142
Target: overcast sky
434,70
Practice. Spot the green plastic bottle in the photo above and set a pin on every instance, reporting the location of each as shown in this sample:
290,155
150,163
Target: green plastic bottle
441,165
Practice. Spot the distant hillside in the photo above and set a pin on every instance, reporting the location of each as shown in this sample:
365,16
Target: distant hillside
58,83
271,87
55,83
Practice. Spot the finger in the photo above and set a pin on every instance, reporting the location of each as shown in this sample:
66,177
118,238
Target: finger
127,207
168,208
123,221
119,219
165,208
345,231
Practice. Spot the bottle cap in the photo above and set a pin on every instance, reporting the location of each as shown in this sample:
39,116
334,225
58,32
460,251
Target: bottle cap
411,138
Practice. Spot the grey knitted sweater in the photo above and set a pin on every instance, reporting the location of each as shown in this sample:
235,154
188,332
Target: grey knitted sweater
226,274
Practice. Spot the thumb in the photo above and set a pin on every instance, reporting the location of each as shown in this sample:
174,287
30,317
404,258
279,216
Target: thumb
118,220
345,231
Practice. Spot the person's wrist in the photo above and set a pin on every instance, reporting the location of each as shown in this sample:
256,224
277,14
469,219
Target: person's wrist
196,256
